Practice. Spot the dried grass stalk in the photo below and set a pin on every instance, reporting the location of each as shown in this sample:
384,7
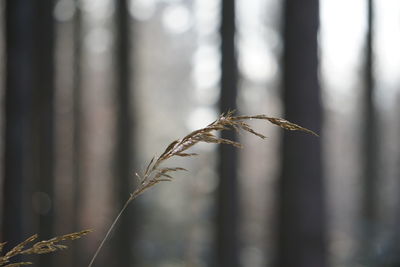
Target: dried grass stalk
41,247
155,174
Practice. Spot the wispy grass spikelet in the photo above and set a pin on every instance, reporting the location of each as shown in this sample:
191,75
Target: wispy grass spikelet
40,247
155,174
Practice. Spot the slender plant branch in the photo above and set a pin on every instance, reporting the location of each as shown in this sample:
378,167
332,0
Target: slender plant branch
154,174
109,231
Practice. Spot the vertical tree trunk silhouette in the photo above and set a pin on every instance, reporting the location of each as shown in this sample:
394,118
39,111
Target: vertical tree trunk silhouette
394,255
17,211
43,118
77,128
124,156
227,192
301,221
370,149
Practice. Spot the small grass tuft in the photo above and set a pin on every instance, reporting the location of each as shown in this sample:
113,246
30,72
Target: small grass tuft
41,247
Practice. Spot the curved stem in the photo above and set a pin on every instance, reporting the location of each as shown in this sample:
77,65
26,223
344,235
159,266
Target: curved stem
109,231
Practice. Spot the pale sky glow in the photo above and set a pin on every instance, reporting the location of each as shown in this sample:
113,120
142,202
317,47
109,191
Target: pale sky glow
389,39
98,40
142,9
387,49
206,13
206,71
256,61
176,19
97,10
342,41
343,27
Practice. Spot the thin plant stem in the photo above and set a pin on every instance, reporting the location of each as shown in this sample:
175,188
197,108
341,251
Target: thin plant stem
109,231
134,195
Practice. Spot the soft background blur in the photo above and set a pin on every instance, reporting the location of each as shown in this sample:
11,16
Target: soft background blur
92,89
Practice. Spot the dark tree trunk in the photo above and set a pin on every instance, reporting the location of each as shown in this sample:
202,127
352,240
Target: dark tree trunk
43,119
227,192
17,213
394,256
370,149
301,221
124,156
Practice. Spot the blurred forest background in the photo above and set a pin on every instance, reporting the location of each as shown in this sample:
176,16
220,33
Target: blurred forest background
92,89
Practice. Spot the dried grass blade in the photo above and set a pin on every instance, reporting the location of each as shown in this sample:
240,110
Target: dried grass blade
285,124
149,165
164,180
169,148
247,128
47,246
215,140
71,236
290,125
162,174
258,117
138,177
173,169
217,128
227,114
184,145
18,248
186,154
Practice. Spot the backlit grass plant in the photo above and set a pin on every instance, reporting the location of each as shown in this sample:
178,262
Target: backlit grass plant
154,174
